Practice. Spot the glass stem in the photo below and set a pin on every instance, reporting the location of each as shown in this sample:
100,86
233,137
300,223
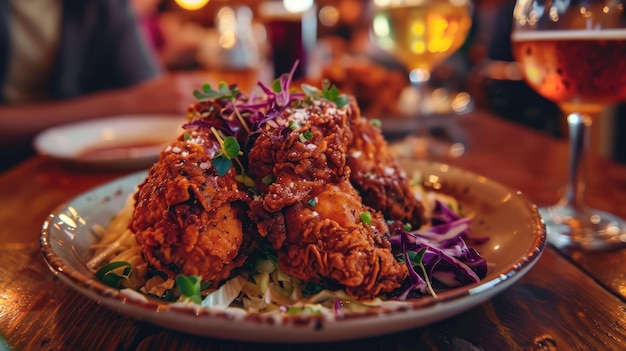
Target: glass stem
579,126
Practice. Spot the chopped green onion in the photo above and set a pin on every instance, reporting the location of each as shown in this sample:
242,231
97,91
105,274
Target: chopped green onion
306,135
108,276
366,217
189,287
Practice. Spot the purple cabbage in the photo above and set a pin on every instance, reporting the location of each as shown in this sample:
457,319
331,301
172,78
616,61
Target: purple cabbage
442,251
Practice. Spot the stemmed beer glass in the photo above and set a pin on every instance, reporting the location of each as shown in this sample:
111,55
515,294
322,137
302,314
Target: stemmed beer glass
421,34
573,52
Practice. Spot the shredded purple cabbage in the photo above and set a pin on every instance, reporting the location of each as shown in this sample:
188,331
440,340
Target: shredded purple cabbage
445,256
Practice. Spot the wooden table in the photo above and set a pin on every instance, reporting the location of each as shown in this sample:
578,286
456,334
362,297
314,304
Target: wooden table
568,301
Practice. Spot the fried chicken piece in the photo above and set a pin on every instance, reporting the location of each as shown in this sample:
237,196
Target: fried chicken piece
377,176
312,214
188,219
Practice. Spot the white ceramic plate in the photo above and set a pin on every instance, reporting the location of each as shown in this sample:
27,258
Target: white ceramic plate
516,240
132,141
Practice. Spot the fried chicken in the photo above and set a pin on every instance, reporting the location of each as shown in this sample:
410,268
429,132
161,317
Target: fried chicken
188,219
311,213
376,175
325,185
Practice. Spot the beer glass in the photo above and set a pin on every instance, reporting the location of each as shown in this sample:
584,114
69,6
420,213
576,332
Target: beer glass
292,35
573,52
421,35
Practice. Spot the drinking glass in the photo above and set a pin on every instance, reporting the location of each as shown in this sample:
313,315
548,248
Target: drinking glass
573,52
292,34
422,34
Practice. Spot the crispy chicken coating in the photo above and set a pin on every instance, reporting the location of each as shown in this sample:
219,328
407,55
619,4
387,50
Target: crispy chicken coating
312,214
377,176
188,219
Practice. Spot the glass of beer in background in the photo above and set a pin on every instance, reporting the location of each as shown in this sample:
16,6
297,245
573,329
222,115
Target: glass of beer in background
573,52
292,34
422,34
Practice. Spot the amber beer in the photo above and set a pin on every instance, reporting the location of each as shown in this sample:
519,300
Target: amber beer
580,70
424,34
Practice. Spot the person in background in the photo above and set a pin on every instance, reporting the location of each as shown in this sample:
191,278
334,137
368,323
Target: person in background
62,61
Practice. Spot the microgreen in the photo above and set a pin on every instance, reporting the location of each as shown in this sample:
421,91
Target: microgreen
277,87
229,150
417,259
224,92
329,92
222,164
108,275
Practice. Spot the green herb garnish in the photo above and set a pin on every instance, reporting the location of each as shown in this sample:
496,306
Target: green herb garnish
267,180
189,287
376,123
329,92
108,275
417,259
293,125
223,92
244,179
229,150
366,217
306,135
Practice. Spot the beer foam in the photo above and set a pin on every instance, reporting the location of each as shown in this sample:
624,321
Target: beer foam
576,34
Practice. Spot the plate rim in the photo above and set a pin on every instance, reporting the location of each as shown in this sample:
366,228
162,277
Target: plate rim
43,137
297,330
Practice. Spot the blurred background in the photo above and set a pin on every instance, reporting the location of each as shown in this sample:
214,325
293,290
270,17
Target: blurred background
257,40
233,35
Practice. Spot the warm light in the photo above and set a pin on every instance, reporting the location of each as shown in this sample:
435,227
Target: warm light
417,30
418,47
191,4
554,14
381,27
297,5
329,16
